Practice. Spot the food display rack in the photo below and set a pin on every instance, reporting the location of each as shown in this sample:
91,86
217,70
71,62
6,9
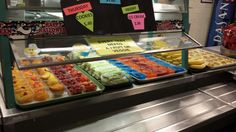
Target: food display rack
109,102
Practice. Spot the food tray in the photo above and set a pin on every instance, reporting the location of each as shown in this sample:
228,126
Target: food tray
65,97
123,85
222,66
129,70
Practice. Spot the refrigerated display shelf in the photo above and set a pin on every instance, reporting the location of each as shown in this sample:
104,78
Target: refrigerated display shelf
192,110
141,93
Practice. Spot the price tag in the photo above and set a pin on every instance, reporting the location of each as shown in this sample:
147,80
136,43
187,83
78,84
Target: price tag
113,45
117,2
130,9
86,19
137,20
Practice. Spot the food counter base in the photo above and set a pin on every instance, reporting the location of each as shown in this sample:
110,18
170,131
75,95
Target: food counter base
202,100
190,111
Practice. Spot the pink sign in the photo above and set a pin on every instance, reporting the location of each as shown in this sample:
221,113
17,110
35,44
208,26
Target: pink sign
137,20
77,8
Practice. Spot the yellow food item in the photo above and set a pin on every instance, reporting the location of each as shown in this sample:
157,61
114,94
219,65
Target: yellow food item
21,89
195,61
202,66
25,96
42,70
40,95
57,89
52,80
46,76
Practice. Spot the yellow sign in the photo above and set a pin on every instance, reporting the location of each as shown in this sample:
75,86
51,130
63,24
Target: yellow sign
113,45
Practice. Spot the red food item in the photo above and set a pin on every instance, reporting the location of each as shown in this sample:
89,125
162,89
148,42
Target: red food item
149,68
63,77
90,87
76,89
229,38
84,78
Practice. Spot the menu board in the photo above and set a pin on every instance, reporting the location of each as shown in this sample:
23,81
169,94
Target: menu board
83,17
113,45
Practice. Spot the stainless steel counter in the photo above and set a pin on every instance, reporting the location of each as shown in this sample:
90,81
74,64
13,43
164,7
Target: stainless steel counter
170,114
224,92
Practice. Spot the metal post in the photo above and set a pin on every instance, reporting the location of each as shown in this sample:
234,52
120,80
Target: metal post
185,58
186,16
186,30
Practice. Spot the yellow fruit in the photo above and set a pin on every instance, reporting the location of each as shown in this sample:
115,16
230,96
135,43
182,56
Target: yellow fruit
196,62
42,70
52,80
198,66
46,75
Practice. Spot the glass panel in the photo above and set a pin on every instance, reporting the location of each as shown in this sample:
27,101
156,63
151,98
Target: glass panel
33,4
172,4
81,49
22,15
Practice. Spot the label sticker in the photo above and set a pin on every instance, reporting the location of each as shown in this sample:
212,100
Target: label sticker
77,8
110,2
130,9
137,20
86,19
113,45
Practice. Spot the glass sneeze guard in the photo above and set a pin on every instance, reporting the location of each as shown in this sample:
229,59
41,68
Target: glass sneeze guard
78,49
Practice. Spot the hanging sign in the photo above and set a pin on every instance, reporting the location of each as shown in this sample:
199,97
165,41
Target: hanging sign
137,20
130,9
223,14
113,45
84,17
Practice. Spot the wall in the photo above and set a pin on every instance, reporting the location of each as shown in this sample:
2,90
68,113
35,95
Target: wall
199,17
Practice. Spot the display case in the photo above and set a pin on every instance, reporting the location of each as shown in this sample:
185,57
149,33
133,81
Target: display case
14,54
44,11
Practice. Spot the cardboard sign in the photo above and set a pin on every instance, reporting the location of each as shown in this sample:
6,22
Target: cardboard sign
86,19
108,16
113,45
137,20
130,9
77,8
110,2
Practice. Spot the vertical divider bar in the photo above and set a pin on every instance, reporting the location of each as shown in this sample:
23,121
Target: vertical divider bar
185,58
5,52
186,30
5,57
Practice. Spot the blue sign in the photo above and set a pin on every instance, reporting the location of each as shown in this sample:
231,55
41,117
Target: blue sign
110,2
222,15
